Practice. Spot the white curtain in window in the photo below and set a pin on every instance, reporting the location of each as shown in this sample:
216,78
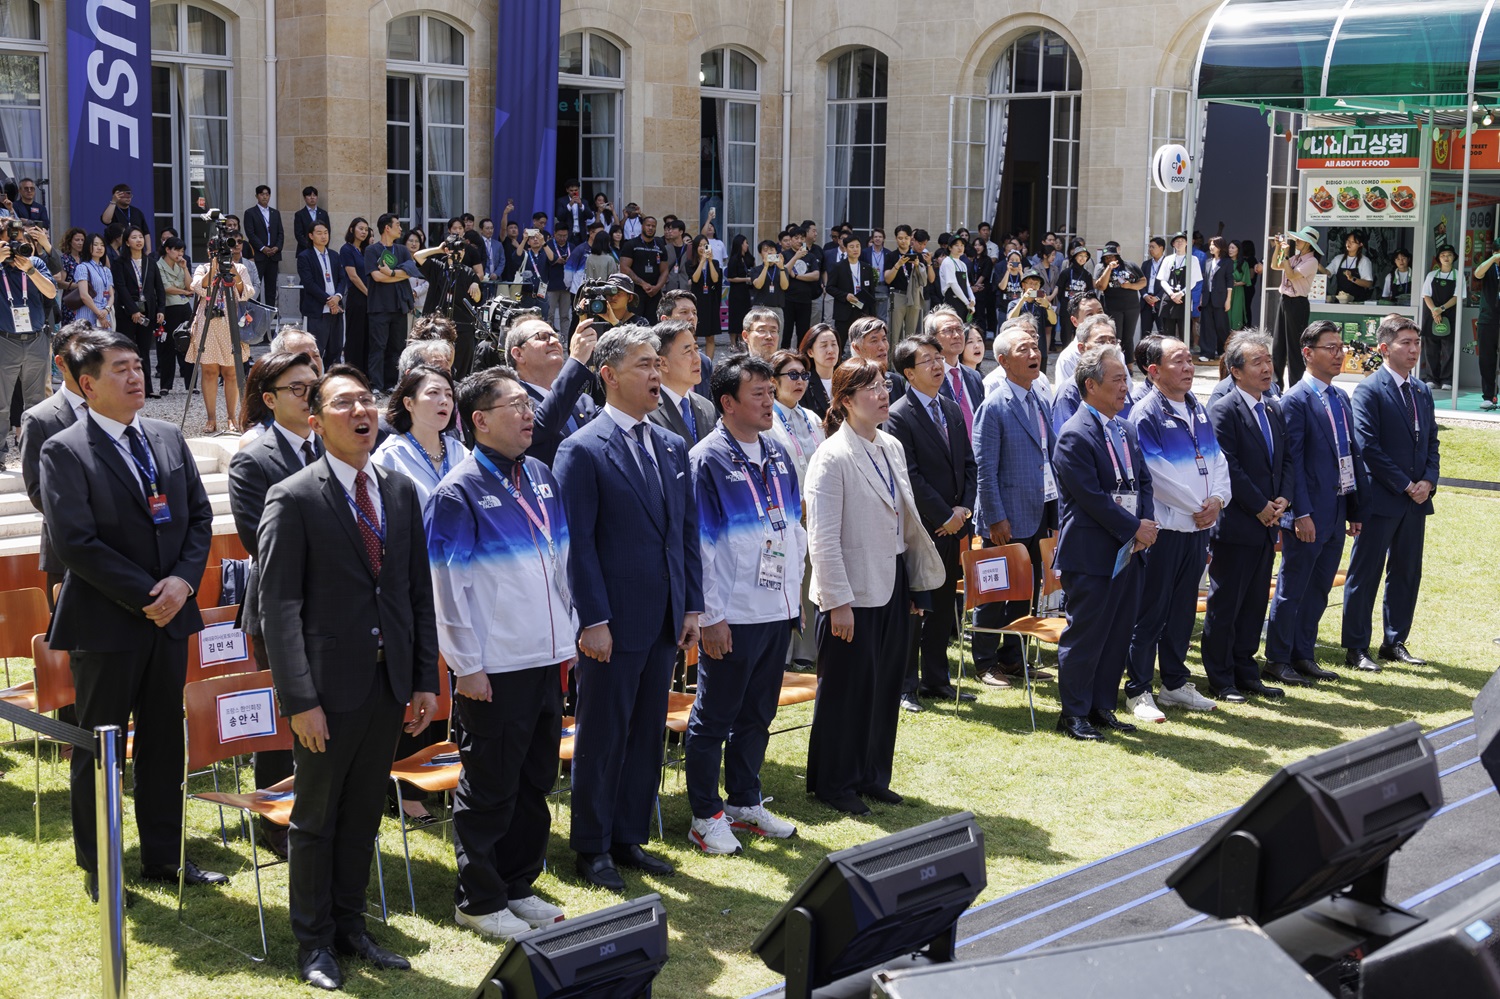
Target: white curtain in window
840,160
996,132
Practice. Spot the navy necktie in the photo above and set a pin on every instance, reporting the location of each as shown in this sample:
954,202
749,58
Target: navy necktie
1265,426
142,458
1340,432
649,471
1411,404
690,419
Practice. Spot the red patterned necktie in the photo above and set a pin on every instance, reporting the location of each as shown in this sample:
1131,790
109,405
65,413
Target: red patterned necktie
367,520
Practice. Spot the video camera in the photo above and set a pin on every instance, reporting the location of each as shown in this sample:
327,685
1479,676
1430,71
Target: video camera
15,238
593,299
456,245
220,240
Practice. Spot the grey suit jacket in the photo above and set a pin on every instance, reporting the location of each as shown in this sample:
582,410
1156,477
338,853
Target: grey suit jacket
253,470
669,416
323,612
38,424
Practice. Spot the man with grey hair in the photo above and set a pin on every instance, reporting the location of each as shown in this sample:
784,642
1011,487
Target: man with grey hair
1024,324
762,331
294,340
559,385
869,339
436,353
1097,330
962,384
1067,358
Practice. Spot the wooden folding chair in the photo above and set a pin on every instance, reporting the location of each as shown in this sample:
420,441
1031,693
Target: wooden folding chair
434,769
796,688
23,613
52,688
195,668
1002,575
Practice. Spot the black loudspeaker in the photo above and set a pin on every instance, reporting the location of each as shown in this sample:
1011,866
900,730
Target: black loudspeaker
1457,954
1233,960
873,903
611,954
1487,727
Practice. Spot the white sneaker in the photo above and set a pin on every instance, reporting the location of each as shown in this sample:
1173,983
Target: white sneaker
714,836
1186,696
502,924
1144,708
535,911
756,819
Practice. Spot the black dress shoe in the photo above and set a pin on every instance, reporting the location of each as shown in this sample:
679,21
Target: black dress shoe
1269,693
1229,695
1283,673
192,874
1396,653
1360,659
1078,728
849,804
948,693
1109,720
910,703
884,794
598,869
632,855
320,969
366,949
1311,670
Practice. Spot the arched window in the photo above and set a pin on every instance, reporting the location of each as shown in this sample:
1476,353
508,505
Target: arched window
730,147
426,110
856,139
590,91
191,137
1031,137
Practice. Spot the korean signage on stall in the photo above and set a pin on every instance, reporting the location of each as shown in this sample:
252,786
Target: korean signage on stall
1396,147
1370,198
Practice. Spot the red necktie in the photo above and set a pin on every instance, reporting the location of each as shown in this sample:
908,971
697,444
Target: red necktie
368,518
963,401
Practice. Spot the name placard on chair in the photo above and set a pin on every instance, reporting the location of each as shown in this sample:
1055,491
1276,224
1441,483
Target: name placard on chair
994,574
246,714
222,643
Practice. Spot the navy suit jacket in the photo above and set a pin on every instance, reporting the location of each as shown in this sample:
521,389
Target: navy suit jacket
561,411
1315,459
1008,448
1395,452
973,381
1256,476
630,564
254,225
941,466
310,275
1094,526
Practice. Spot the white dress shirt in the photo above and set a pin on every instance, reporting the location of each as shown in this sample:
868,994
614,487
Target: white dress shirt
329,290
116,431
78,402
295,441
345,474
627,425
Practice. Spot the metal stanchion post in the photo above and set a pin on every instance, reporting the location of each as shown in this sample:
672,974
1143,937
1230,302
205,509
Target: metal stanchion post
108,794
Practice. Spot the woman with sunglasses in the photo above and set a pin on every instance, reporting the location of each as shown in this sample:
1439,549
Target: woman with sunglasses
799,431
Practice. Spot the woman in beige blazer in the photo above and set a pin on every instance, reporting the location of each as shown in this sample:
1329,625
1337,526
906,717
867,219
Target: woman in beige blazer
869,553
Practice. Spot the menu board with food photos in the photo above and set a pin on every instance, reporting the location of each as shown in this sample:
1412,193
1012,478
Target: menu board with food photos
1366,199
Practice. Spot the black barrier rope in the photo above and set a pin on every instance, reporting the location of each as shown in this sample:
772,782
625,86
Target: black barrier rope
1470,484
50,727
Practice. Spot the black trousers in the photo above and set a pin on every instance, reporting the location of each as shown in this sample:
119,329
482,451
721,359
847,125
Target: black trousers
271,766
931,632
356,332
1091,656
1174,320
1239,591
1489,339
1163,627
798,322
853,742
500,820
990,652
1286,344
328,330
167,358
113,687
269,271
1215,331
622,716
335,816
1125,317
386,340
1437,359
145,344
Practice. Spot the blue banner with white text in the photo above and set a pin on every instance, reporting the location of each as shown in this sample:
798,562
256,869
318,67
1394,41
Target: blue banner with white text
109,105
525,151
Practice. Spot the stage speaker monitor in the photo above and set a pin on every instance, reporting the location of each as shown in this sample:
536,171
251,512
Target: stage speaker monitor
1487,727
1233,960
611,954
873,903
1456,954
1317,827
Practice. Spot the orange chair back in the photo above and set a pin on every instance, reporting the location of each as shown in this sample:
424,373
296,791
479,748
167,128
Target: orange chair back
225,546
195,668
211,587
995,575
19,572
211,733
23,613
1051,581
54,676
445,693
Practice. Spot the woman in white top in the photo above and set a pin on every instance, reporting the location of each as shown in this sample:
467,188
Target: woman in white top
799,431
1353,274
422,414
1397,288
869,554
953,280
715,246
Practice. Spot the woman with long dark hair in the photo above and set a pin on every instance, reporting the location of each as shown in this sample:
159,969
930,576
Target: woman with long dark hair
819,351
356,300
708,289
737,277
138,301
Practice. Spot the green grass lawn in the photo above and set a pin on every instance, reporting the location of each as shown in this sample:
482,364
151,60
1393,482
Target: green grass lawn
1045,805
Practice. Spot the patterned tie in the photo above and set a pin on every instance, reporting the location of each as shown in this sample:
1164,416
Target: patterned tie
142,458
689,419
310,454
938,417
1340,432
962,400
1265,426
649,471
1031,412
374,549
1411,404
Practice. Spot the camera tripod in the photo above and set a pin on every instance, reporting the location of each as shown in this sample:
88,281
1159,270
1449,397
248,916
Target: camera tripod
221,301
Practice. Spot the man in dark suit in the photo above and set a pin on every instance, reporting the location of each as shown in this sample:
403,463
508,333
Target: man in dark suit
308,216
636,574
324,283
286,447
129,519
58,411
560,386
1251,432
1398,440
961,383
682,410
851,285
1105,506
346,607
1328,477
571,207
266,236
944,478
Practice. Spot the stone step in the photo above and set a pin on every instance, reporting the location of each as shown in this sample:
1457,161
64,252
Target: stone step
13,503
29,523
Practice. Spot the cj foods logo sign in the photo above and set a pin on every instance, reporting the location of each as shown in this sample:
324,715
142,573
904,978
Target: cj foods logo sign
1171,168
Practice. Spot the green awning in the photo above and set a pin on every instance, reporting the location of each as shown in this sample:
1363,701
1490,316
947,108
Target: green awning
1307,55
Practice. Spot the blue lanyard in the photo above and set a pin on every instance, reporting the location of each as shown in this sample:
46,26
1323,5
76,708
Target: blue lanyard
412,439
148,470
543,522
377,528
765,470
889,483
15,304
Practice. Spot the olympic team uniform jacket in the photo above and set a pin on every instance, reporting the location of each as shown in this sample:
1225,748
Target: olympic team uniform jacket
750,529
500,586
1186,463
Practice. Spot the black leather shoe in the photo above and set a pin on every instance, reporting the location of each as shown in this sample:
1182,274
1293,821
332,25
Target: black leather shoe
1396,653
995,678
320,969
632,855
849,804
366,949
910,703
1078,728
948,693
274,838
192,874
883,794
91,886
1360,659
598,869
1283,673
1229,695
1269,693
1311,670
1109,720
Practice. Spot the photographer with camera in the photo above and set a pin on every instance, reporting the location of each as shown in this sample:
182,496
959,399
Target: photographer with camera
909,272
211,331
768,284
25,343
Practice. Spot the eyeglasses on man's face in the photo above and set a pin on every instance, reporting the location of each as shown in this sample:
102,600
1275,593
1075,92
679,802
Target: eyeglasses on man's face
298,389
522,406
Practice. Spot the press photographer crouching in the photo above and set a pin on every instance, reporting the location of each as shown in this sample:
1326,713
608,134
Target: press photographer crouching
25,354
609,303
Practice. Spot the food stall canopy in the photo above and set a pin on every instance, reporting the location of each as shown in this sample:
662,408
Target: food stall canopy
1390,58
